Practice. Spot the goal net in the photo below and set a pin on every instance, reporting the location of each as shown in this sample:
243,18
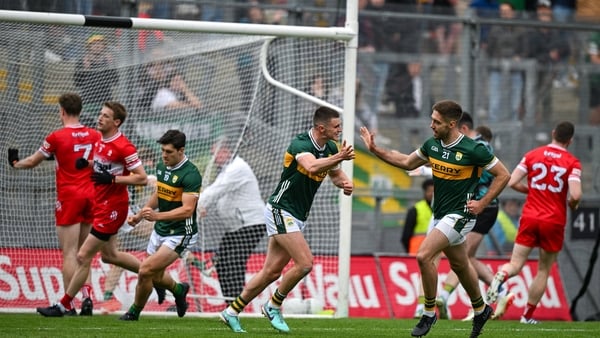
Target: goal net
210,86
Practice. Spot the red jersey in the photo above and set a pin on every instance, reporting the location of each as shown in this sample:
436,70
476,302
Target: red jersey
118,156
68,144
549,170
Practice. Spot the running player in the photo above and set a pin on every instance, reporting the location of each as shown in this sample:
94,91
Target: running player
457,162
553,177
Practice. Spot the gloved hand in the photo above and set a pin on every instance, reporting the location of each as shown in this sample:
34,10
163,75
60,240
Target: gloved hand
13,156
81,163
103,177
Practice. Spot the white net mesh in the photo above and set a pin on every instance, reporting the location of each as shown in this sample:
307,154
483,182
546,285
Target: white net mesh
222,72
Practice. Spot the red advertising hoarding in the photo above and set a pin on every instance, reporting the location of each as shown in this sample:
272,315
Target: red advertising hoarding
383,287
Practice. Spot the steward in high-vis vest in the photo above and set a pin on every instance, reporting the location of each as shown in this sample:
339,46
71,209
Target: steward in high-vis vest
417,220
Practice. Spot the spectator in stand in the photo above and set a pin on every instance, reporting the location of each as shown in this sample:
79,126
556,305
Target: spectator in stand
84,7
276,16
377,71
485,9
95,75
254,14
564,10
403,87
446,35
175,94
148,39
594,57
366,65
153,77
550,49
506,45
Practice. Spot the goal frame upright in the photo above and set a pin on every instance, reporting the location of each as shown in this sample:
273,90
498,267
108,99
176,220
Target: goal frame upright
347,34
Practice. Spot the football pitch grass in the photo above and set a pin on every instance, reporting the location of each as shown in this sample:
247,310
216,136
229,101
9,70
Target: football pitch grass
34,325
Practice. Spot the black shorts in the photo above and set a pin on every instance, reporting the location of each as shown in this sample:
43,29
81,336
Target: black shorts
485,221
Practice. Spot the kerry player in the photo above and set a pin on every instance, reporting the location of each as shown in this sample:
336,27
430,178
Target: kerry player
457,162
309,158
172,207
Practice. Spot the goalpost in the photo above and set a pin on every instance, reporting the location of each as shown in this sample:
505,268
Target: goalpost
254,83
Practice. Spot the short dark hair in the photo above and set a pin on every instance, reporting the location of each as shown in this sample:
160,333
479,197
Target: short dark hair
427,183
485,132
466,120
118,109
564,131
174,137
324,114
449,110
71,103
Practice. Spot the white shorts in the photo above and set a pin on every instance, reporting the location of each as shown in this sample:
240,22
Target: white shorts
179,244
279,221
455,227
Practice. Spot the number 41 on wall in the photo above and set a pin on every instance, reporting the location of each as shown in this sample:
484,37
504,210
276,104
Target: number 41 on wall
584,223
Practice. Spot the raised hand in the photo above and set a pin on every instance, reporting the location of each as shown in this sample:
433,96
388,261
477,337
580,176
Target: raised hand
368,138
346,152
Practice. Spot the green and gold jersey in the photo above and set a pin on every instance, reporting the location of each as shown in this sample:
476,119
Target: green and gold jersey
456,170
171,184
297,188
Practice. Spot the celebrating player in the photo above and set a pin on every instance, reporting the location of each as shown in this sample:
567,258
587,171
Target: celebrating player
552,174
309,158
456,161
74,187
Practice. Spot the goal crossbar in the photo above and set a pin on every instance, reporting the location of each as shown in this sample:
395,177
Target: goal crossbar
337,33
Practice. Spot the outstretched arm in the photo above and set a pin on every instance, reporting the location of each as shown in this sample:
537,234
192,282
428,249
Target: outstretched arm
30,161
393,157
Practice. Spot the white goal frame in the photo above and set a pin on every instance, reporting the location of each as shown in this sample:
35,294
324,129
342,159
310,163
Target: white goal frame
347,34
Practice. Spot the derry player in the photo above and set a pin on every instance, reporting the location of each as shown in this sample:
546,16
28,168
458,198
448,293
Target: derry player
116,165
553,182
74,187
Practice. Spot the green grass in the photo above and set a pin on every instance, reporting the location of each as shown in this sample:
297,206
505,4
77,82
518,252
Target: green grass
33,325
